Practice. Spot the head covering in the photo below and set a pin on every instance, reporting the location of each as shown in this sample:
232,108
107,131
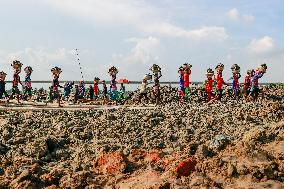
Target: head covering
147,77
249,72
56,70
220,66
2,74
155,68
180,70
235,68
210,72
16,64
262,67
28,69
186,66
96,79
113,71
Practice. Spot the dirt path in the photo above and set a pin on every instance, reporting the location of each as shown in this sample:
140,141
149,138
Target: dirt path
24,107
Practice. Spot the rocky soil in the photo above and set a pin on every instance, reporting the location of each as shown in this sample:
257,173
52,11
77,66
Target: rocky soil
225,144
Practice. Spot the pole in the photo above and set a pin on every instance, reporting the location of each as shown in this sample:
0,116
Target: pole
79,63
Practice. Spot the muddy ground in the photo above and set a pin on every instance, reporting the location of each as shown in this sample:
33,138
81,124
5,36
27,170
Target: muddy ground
229,144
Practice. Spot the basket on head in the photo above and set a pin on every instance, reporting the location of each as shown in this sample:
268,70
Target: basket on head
155,68
235,68
96,79
250,72
262,67
147,77
56,70
16,64
28,69
113,71
180,70
209,72
186,67
3,75
220,67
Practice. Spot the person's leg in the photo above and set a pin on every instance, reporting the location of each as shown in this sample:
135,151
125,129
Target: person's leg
221,93
30,94
156,92
146,97
204,95
1,94
237,94
253,93
248,91
143,96
181,95
6,94
18,94
51,97
157,100
209,96
244,91
116,95
24,96
12,94
246,94
18,98
106,99
27,93
261,92
187,92
59,100
257,90
140,97
65,95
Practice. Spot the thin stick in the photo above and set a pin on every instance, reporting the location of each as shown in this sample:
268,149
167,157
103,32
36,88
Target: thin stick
79,63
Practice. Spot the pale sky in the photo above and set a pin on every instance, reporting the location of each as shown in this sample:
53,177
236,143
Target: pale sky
134,34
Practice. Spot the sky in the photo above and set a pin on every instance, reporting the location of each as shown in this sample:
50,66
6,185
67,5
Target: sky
134,34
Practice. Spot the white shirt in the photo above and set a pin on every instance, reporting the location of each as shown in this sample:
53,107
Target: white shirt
143,87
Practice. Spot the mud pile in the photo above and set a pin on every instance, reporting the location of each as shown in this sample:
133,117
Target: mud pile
230,144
